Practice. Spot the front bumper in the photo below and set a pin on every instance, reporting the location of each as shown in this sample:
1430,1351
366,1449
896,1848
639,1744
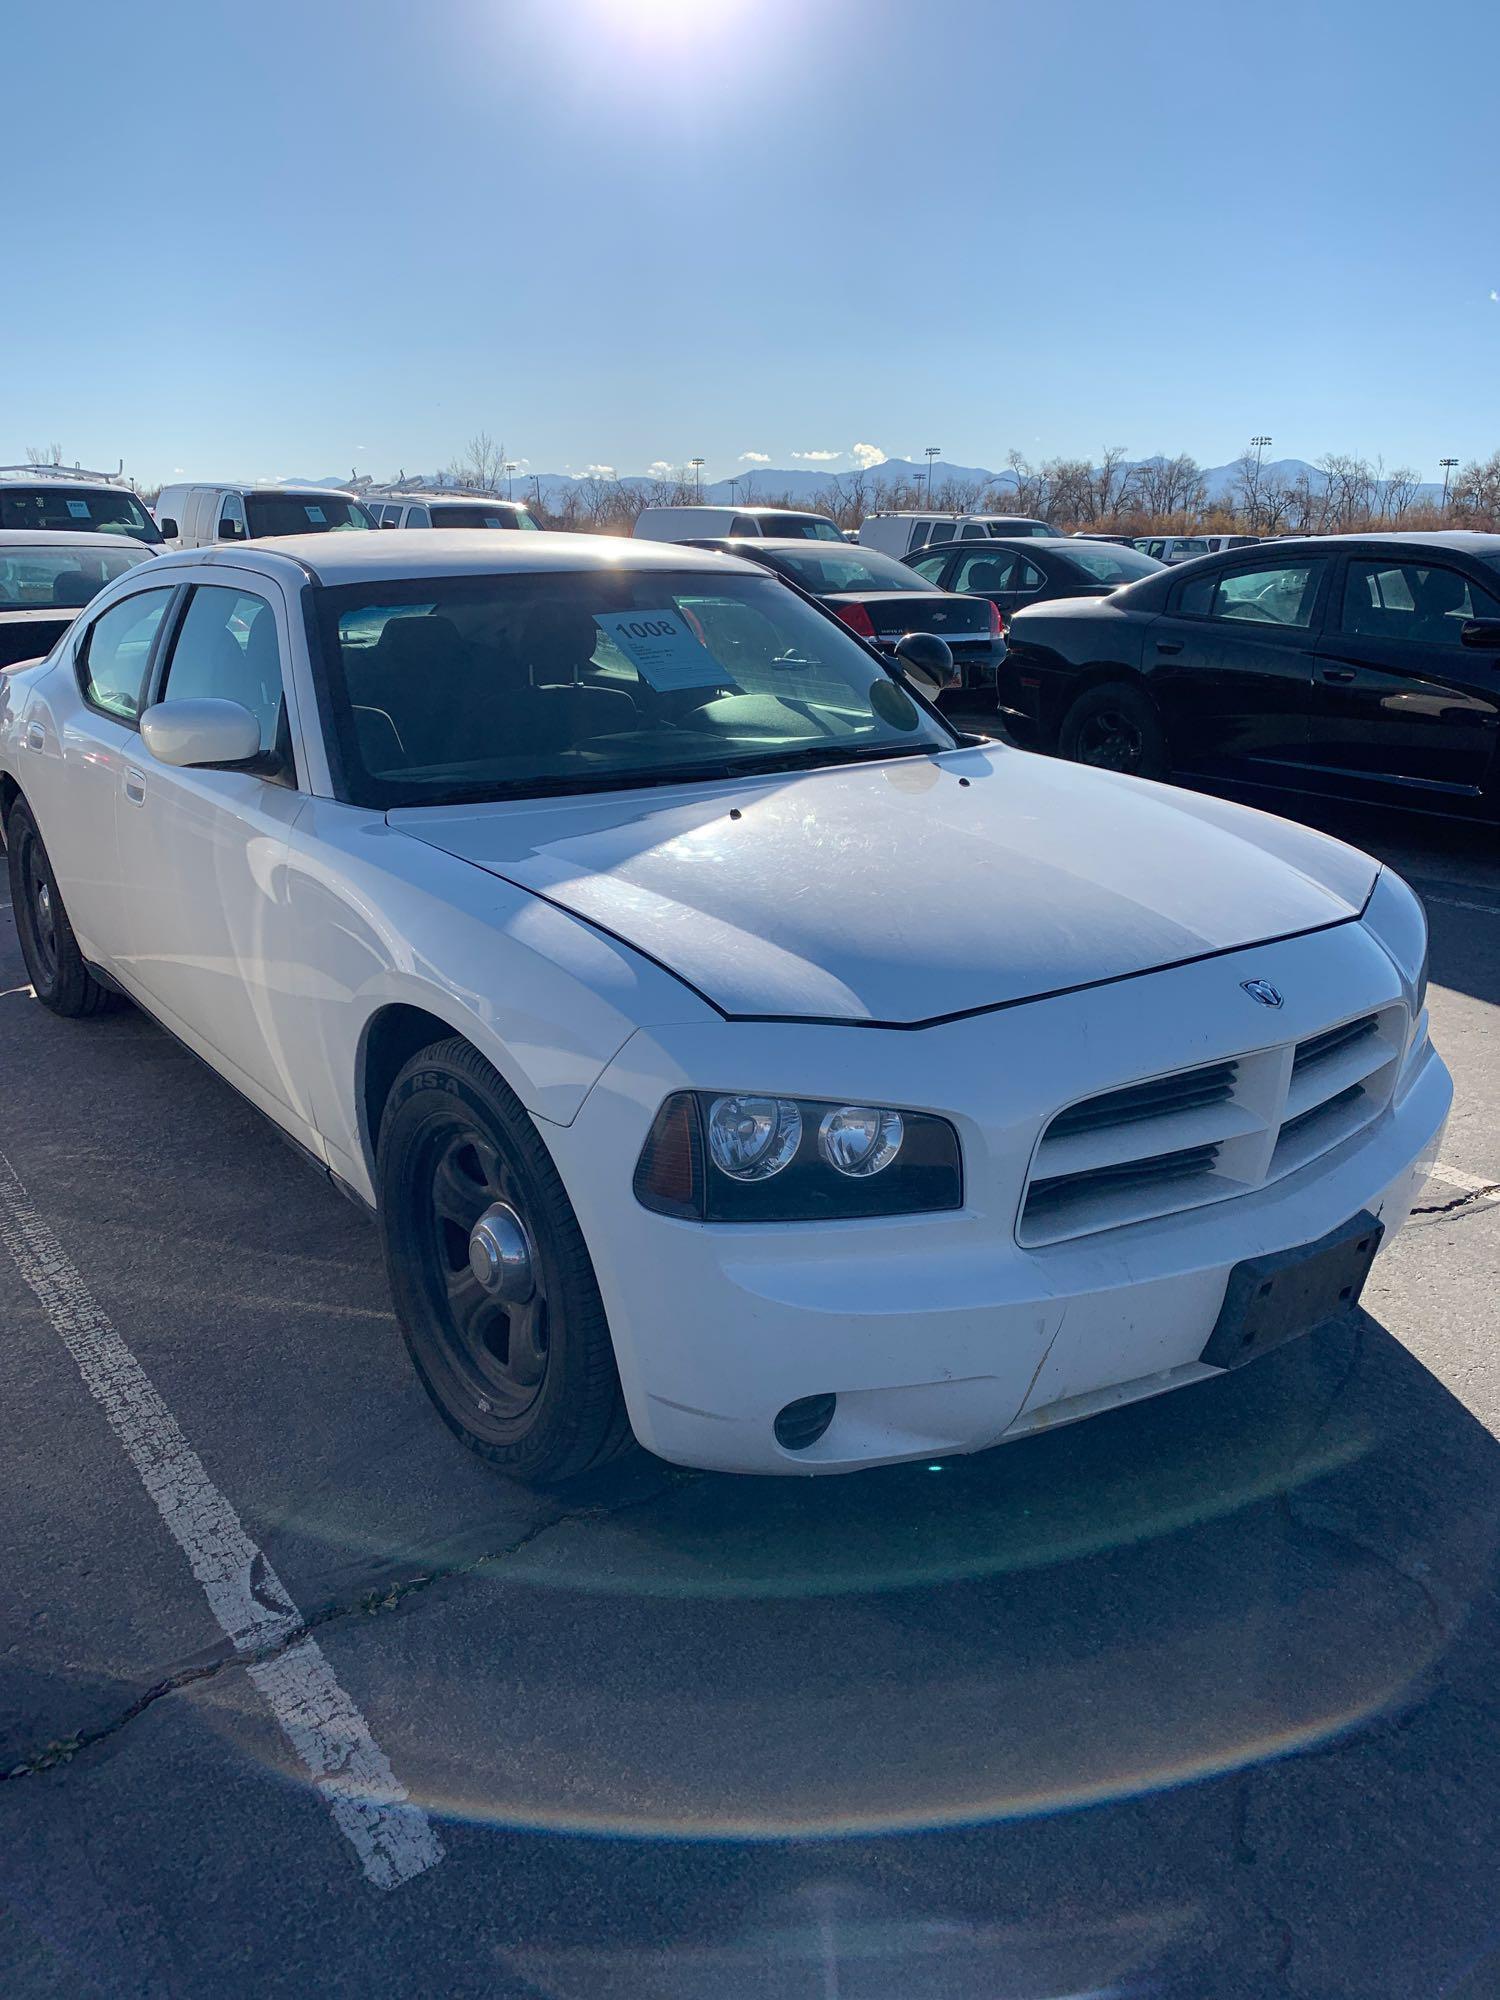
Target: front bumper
940,1333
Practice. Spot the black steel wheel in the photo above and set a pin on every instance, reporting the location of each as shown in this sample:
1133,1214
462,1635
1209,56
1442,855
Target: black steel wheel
491,1278
1115,727
55,966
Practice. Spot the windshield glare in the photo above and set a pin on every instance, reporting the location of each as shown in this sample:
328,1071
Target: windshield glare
1113,565
449,689
303,513
75,510
861,569
61,579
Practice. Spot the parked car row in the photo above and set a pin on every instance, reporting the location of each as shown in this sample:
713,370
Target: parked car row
731,1052
886,603
1257,663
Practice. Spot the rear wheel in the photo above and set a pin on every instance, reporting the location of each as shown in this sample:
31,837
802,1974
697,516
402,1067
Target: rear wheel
54,964
490,1274
1115,727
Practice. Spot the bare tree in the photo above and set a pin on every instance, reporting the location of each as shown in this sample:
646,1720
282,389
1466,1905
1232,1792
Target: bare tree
1170,487
44,454
1475,494
482,464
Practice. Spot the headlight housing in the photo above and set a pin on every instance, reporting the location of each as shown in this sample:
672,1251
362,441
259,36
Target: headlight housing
737,1156
1395,914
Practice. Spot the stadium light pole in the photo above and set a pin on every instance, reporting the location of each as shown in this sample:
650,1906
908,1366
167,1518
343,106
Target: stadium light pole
933,451
1260,444
1447,464
697,465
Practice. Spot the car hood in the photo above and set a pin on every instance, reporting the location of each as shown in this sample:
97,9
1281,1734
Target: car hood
897,893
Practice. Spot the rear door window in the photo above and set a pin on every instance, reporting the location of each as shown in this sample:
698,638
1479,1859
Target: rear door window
988,570
115,652
1416,603
1283,594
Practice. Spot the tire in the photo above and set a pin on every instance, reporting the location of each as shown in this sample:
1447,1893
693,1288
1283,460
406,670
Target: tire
1115,727
54,964
532,1388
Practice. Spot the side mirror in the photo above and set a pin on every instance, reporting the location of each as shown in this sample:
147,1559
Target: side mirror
928,660
168,527
1481,633
200,732
231,531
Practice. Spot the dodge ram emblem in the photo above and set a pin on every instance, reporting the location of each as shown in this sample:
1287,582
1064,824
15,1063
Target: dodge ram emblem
1263,991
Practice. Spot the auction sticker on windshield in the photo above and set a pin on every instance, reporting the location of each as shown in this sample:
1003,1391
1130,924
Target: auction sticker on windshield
661,648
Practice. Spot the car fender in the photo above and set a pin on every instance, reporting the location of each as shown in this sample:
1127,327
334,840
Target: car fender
388,927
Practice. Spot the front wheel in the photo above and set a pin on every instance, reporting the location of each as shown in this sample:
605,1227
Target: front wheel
55,966
490,1274
1115,727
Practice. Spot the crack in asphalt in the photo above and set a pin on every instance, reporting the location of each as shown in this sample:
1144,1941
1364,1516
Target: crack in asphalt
1486,1193
367,1604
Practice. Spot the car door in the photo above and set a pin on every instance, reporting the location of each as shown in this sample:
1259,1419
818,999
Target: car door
1230,663
1401,707
95,713
203,852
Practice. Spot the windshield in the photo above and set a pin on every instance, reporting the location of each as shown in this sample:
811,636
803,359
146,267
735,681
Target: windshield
89,510
449,689
799,527
477,514
59,579
303,513
1107,564
861,569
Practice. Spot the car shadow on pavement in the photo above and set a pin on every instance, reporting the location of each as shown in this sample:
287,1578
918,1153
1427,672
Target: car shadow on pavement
1195,1698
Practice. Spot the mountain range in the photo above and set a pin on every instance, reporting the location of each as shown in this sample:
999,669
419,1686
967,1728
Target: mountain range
803,483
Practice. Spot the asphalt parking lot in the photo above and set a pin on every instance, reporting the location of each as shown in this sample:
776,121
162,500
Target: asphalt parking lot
1199,1698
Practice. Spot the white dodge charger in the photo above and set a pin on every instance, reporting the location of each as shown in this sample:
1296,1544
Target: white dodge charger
733,1054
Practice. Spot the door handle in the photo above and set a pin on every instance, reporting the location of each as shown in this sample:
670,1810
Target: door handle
36,736
1169,645
135,786
1338,673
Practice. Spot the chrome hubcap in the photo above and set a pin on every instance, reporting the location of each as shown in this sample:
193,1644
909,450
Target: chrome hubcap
500,1255
44,903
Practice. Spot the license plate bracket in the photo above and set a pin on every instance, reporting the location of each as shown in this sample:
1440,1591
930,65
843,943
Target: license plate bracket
1279,1297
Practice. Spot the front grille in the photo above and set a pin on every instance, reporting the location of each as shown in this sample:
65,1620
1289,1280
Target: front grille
1164,1094
1332,1040
1174,1142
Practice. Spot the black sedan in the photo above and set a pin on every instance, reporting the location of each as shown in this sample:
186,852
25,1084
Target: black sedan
1019,571
884,601
1343,666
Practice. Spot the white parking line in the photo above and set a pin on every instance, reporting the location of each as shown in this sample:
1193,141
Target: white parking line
392,1837
1466,1183
1457,903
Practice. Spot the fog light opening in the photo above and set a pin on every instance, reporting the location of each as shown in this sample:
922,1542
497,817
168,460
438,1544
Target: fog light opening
802,1423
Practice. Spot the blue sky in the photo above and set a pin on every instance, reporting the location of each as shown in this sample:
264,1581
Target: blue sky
278,239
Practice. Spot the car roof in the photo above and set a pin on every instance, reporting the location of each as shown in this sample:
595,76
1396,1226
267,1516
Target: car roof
794,545
263,489
370,556
68,538
976,546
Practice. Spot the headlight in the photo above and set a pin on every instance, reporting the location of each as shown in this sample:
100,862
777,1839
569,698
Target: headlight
738,1157
1395,915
